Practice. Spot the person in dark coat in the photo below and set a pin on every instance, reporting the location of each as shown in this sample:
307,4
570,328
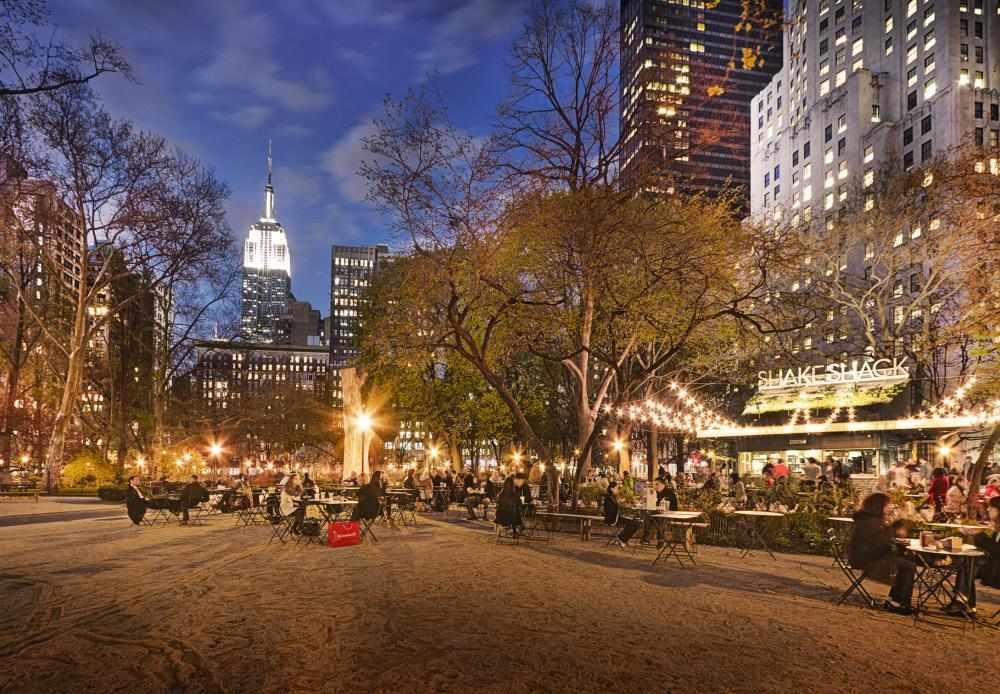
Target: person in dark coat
613,516
369,499
988,569
509,506
135,501
872,549
192,495
522,489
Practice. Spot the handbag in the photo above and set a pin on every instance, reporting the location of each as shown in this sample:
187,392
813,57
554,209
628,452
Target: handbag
344,534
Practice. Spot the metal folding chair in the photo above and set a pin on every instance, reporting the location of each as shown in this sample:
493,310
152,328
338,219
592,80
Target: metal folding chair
855,578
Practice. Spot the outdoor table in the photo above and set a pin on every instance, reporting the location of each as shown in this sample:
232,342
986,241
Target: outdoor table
755,536
673,545
964,529
330,509
938,581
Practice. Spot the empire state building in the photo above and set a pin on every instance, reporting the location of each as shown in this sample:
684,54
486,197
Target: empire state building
267,273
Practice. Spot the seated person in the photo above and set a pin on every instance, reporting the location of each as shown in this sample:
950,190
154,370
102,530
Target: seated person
135,501
988,569
192,495
509,506
369,499
310,489
954,504
664,496
613,516
473,496
871,549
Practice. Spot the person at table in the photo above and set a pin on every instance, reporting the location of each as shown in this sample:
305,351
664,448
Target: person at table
711,483
992,488
871,549
509,509
426,488
628,482
613,516
665,496
492,486
310,489
290,493
369,499
473,496
192,495
410,480
938,492
987,568
135,501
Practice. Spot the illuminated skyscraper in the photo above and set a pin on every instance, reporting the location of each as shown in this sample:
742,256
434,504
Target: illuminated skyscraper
267,273
688,72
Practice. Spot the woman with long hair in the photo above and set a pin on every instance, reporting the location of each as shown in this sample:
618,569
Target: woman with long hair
509,506
872,550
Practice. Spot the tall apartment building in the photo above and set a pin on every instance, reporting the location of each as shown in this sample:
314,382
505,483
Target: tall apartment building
267,273
868,83
301,325
685,91
351,271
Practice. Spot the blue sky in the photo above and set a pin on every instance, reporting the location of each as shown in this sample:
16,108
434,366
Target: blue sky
220,77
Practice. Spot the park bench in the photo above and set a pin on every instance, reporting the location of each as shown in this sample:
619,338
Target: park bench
22,492
585,520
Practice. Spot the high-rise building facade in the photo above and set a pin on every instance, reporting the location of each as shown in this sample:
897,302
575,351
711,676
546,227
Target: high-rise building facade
267,273
869,85
352,269
687,77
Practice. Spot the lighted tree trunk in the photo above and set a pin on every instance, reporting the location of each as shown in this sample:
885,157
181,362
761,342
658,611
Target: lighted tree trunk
652,441
975,477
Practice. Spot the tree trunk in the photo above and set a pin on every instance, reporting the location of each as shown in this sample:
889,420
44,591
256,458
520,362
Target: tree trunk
975,477
13,381
652,441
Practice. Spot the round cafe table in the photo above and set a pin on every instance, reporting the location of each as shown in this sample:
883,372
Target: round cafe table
940,576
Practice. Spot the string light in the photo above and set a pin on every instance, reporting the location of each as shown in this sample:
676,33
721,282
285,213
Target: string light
685,414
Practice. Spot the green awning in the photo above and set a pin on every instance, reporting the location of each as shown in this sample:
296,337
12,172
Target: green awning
823,398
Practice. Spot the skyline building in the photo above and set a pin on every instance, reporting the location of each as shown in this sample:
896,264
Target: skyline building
868,86
686,83
267,273
352,269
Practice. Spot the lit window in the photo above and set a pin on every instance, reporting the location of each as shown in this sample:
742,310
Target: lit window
828,201
911,54
898,241
979,82
857,65
930,88
824,87
828,156
857,46
911,8
963,76
841,77
916,233
828,181
697,47
807,193
888,24
869,153
888,46
869,178
807,171
929,40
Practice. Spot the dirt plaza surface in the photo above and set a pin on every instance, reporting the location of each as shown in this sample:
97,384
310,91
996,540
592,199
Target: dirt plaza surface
95,605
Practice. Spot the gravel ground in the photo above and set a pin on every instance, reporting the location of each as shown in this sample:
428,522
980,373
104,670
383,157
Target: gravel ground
96,605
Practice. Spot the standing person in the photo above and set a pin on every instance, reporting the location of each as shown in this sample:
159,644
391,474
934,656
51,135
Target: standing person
509,507
614,517
871,549
780,470
135,501
810,473
737,490
938,492
954,504
522,489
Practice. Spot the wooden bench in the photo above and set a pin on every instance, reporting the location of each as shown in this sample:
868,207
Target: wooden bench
21,493
583,519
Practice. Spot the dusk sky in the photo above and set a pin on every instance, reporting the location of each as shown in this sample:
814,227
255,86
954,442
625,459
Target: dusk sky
219,78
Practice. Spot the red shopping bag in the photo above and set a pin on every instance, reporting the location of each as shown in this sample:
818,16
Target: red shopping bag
344,533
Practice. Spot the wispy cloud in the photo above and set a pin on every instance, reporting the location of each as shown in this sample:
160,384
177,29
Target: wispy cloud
245,61
344,159
456,37
246,117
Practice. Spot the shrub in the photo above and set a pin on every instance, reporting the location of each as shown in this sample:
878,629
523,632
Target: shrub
87,470
111,493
